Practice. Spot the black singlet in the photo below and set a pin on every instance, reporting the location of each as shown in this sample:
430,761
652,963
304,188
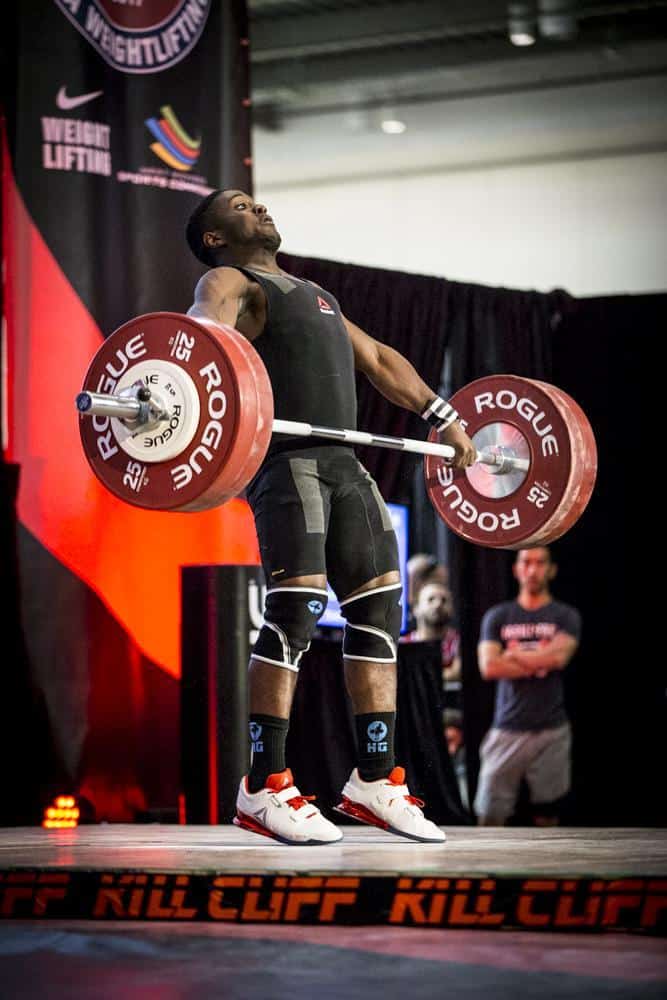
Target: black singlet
308,354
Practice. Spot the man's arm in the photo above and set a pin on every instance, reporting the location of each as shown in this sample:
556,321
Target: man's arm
496,664
220,295
555,655
396,378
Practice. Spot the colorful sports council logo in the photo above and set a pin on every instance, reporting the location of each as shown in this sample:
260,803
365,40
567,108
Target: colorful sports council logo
174,146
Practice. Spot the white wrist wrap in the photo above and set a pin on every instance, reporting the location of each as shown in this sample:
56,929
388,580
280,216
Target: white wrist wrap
440,414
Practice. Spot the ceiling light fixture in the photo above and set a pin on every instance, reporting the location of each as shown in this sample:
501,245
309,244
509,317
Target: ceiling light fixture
393,126
522,23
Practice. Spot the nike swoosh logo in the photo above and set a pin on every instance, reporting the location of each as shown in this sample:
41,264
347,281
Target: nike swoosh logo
66,103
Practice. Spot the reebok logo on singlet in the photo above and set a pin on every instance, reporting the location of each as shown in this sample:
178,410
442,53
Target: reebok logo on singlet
324,306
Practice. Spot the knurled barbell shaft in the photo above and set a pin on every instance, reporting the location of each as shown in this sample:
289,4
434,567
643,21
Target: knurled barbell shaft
91,404
396,443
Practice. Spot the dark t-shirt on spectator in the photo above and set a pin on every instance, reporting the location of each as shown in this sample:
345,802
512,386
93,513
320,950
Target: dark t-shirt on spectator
529,703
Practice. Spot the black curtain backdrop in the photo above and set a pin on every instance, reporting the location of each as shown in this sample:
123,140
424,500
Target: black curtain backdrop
605,356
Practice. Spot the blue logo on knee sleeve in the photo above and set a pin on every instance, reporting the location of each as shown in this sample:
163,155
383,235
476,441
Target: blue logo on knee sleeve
377,732
316,607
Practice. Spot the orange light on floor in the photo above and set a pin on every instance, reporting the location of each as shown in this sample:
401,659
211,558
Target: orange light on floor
62,815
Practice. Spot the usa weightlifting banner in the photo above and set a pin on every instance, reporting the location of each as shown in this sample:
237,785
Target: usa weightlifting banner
123,117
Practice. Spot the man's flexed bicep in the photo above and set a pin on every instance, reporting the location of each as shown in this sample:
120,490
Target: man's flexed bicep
220,295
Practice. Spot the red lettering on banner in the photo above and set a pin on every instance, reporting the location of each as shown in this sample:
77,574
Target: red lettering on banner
565,917
252,911
481,913
43,897
524,911
296,900
10,897
37,889
654,905
109,899
330,903
216,897
173,910
623,894
406,904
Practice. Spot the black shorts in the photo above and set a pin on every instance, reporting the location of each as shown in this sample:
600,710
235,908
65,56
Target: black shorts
318,510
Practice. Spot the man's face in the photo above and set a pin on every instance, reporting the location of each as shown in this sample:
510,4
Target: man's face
534,570
242,222
434,605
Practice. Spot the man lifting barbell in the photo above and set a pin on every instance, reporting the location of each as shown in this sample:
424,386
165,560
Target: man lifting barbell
177,413
319,517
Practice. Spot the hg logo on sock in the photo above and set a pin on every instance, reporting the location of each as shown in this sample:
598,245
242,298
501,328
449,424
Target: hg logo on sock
255,733
377,732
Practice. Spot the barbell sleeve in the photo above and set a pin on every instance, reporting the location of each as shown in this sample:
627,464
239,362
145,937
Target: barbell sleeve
94,404
138,410
123,408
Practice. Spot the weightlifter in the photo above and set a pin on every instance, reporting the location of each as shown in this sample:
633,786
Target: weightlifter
319,517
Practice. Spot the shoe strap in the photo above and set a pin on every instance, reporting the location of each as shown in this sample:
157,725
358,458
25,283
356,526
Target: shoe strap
397,778
392,791
293,797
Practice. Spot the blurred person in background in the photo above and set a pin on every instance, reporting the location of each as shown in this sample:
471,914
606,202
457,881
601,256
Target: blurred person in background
524,646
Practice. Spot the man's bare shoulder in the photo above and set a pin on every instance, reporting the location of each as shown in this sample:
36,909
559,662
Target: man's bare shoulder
221,281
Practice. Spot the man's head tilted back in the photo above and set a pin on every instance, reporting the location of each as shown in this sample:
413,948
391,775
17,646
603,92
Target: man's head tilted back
204,218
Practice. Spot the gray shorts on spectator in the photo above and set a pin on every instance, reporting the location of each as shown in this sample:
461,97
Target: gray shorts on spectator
541,757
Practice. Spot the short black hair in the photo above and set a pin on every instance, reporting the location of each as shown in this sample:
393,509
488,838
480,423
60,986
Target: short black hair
200,222
527,548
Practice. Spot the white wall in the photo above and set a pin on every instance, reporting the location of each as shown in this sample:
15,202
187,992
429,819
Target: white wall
590,226
552,188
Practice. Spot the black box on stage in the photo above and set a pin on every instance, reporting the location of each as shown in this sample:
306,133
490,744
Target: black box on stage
221,611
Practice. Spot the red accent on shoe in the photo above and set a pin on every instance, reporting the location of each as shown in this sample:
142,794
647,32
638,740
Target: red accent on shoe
357,811
250,823
300,800
283,779
397,777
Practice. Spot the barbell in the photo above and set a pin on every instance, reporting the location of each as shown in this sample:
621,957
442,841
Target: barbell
176,414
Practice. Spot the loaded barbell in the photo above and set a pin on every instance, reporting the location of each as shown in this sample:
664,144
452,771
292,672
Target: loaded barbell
177,414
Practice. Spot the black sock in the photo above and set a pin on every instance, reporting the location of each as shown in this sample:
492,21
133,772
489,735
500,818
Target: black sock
375,744
268,736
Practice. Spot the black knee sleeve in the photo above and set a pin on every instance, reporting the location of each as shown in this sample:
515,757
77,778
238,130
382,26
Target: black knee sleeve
290,617
373,624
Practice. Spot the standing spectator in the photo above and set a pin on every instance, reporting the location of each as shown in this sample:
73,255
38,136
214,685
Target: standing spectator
524,646
433,613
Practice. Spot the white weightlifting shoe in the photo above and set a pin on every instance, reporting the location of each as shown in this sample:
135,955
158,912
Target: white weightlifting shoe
387,803
279,810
